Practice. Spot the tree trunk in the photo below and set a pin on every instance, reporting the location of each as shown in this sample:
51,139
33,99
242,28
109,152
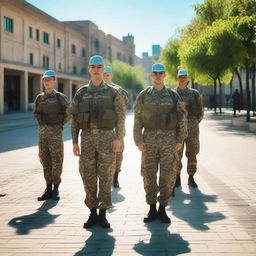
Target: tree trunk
193,83
220,95
231,86
248,96
253,89
215,96
241,88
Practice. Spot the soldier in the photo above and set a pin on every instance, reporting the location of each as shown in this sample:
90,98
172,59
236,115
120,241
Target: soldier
194,106
119,155
97,110
162,115
51,113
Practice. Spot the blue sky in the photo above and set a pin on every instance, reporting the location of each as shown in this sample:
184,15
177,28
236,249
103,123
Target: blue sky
150,21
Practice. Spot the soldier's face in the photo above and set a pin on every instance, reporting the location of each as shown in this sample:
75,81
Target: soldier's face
49,83
158,77
107,77
96,71
182,80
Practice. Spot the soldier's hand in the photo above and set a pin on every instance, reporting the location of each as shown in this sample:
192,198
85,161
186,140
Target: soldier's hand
76,150
116,146
142,147
179,147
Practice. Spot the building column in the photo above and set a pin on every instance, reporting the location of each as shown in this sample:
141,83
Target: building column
56,84
41,86
1,90
70,90
24,91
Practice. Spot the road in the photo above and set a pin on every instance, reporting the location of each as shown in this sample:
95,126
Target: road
219,218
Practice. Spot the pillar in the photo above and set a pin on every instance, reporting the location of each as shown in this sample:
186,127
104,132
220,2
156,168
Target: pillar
24,91
1,90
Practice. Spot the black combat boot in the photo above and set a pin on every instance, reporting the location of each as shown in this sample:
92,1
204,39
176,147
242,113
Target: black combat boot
55,192
102,219
47,193
92,220
177,183
115,180
152,214
191,181
162,216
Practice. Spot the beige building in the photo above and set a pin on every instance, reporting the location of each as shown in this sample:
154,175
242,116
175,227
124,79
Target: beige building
31,42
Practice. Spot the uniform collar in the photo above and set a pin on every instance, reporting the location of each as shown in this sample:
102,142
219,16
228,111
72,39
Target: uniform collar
182,90
93,88
50,95
163,91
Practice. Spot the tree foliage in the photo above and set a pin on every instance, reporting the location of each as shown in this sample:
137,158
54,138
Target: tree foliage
130,77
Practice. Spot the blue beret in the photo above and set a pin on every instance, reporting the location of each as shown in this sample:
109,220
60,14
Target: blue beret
157,67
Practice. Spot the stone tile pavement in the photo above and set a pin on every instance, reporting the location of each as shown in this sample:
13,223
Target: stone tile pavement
218,219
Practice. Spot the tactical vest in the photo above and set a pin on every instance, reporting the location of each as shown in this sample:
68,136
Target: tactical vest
51,113
160,116
96,108
195,109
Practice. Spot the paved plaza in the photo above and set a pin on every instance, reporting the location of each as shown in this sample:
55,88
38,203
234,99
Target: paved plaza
217,219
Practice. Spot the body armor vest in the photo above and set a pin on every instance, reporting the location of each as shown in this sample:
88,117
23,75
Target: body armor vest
51,112
160,116
96,108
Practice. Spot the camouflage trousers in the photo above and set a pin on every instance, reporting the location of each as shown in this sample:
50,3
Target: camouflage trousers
96,167
119,158
192,145
160,155
51,152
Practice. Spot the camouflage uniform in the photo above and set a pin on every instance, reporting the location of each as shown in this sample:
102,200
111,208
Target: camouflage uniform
125,98
97,158
160,142
51,112
194,106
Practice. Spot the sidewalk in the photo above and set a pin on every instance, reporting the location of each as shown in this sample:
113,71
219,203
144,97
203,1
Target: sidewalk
218,219
16,120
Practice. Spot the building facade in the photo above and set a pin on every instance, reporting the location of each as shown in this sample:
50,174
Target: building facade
31,42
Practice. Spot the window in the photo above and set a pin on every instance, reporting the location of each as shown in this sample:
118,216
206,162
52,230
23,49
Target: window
61,87
97,45
46,62
58,43
8,24
83,71
31,59
37,35
30,32
59,66
119,56
74,70
46,38
73,49
83,52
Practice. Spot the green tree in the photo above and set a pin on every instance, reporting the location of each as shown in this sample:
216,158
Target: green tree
130,77
169,57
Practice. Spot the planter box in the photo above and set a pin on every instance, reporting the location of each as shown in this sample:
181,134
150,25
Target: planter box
240,121
252,126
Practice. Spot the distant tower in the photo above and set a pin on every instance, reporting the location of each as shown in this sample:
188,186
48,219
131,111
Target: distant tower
156,50
129,39
144,54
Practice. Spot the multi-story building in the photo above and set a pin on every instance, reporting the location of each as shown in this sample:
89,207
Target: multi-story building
31,42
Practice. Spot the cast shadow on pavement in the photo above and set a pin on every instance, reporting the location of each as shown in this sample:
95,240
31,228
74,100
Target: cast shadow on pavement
40,219
191,208
116,196
24,138
224,123
162,242
99,243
